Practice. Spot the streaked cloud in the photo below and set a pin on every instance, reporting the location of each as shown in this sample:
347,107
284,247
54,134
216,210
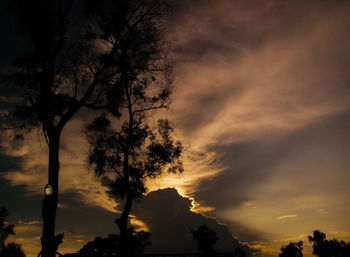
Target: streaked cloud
34,222
28,228
287,216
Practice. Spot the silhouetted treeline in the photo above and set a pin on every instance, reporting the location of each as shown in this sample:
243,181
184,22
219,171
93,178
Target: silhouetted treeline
328,248
320,245
138,241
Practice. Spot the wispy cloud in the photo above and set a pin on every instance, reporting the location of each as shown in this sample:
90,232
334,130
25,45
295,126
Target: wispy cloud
28,236
287,216
34,222
26,228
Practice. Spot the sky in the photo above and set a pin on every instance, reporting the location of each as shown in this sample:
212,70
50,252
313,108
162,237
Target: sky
261,103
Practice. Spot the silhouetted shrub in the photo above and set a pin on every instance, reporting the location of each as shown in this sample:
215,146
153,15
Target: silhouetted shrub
110,247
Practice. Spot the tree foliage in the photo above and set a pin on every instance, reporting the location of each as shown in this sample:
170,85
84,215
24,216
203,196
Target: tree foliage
328,248
78,55
5,229
293,249
10,249
149,153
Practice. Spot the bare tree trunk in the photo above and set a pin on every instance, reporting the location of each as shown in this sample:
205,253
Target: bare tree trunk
48,240
122,223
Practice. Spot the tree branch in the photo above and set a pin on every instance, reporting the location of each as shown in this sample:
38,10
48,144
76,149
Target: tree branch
151,108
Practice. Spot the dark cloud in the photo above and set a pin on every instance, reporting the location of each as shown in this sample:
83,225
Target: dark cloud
200,49
224,28
19,204
14,198
170,221
96,221
9,162
8,28
308,155
245,166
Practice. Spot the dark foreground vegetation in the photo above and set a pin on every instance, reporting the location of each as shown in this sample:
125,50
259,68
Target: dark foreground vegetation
321,247
203,235
10,249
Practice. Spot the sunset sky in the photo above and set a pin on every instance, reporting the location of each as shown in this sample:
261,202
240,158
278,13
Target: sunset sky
262,106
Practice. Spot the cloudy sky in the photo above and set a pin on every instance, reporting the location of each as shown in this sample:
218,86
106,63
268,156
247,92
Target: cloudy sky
262,104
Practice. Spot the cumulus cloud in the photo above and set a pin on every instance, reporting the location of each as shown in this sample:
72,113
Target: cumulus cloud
170,220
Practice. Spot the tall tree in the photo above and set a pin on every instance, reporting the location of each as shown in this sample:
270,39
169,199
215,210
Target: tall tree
131,151
78,54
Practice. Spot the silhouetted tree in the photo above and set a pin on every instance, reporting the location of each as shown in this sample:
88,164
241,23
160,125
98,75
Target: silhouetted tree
110,246
293,249
5,229
134,152
206,238
328,248
11,249
78,54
